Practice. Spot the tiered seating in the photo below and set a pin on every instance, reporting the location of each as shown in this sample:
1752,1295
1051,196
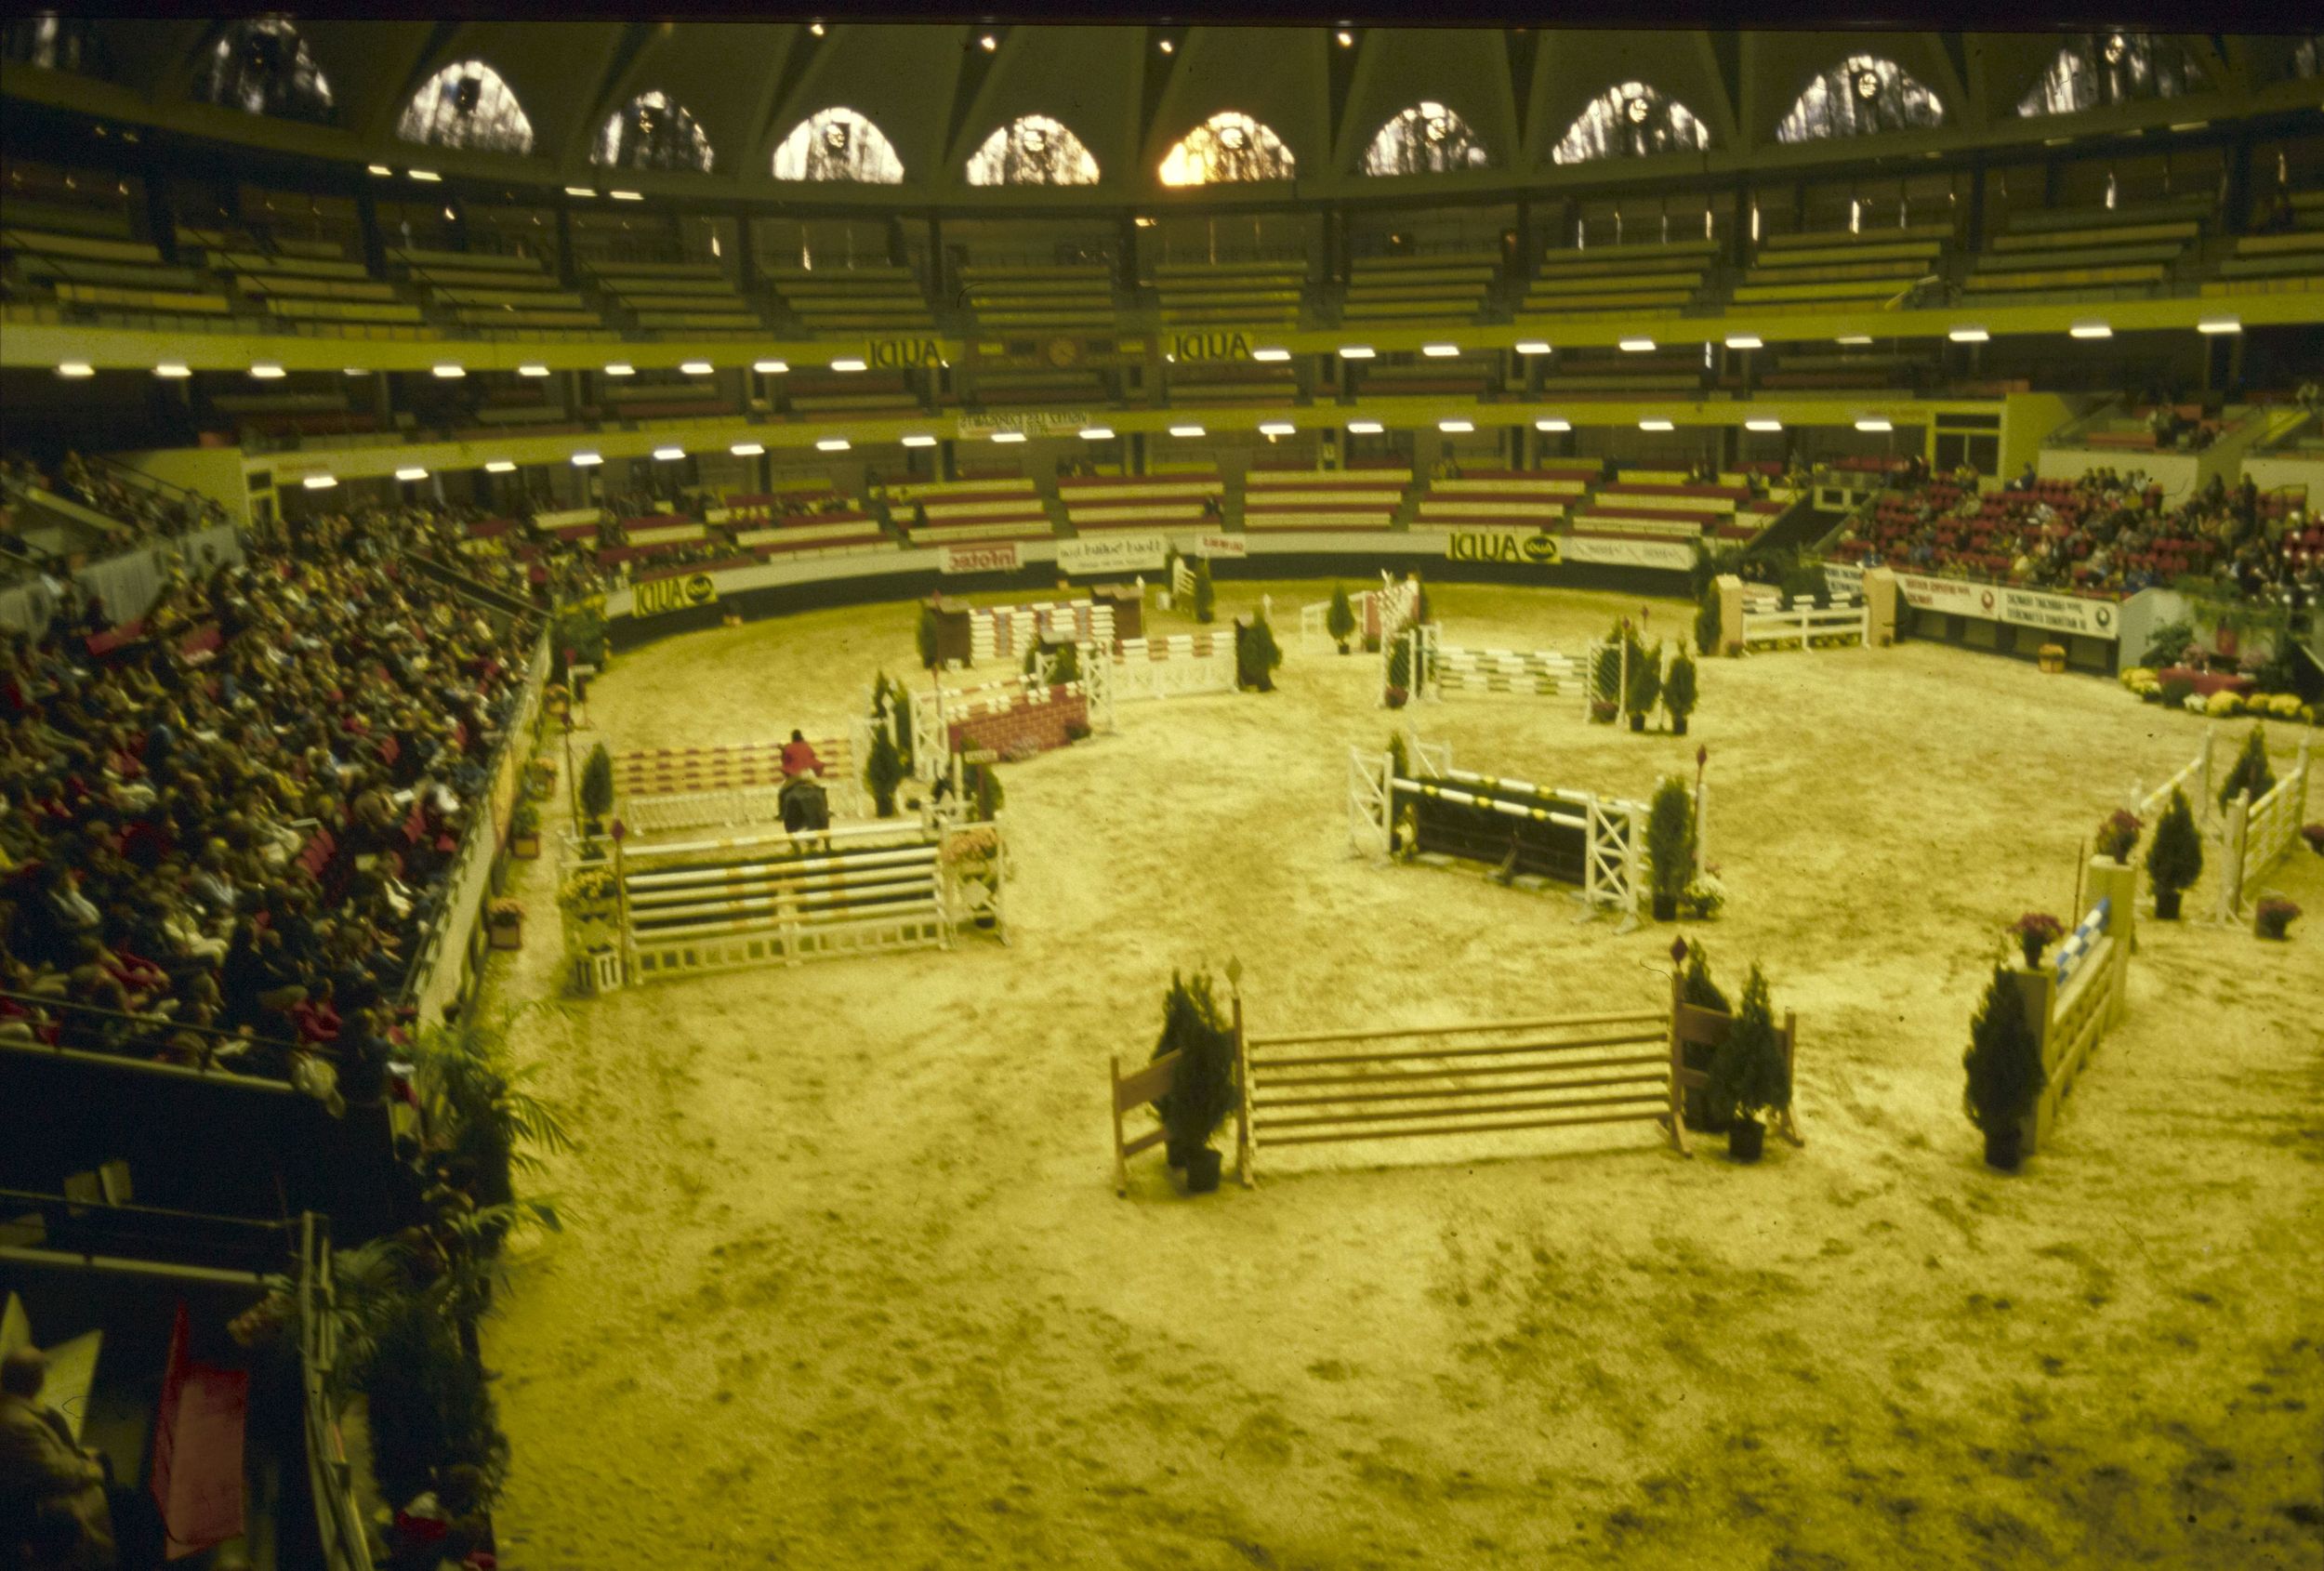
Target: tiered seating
1826,266
488,290
1154,502
313,283
677,296
2088,248
647,401
2270,262
816,518
2131,431
1629,277
968,511
864,392
1448,288
1231,294
1003,389
1842,370
1623,375
1063,296
103,273
1638,509
1233,381
1508,498
868,297
1468,376
1323,499
262,416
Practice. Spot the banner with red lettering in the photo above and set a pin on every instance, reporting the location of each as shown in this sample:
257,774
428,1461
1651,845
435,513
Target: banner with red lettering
1001,555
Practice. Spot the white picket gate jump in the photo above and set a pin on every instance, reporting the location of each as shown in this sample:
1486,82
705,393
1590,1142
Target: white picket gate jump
1179,665
1765,624
1007,631
658,790
2257,834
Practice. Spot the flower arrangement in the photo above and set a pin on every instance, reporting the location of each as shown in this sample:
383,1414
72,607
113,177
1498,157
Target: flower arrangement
504,911
590,886
2118,833
1703,896
2314,835
970,846
2035,932
2274,916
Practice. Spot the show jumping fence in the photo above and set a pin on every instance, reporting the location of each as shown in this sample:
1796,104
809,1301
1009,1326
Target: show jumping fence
2072,1002
998,632
1181,666
768,899
1438,669
670,790
2258,834
1379,613
1527,831
1843,621
1472,1079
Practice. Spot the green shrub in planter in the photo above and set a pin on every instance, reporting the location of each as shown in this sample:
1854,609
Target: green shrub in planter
1203,1090
2174,693
1645,683
2174,856
1256,655
1696,988
927,638
1339,621
883,771
1399,766
2167,644
1707,628
1677,691
1205,597
427,1405
1400,663
1748,1076
2003,1065
597,788
2251,771
1671,845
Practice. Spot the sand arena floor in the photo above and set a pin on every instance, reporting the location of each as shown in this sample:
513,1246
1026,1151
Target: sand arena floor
845,1283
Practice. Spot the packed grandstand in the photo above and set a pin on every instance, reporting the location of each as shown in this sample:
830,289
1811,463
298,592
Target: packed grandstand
377,392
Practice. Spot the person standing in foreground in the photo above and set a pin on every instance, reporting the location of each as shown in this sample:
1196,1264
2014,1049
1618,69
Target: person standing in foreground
53,1514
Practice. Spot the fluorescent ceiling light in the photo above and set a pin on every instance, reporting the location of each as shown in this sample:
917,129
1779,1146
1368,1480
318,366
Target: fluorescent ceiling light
832,444
171,369
1533,345
1279,428
1638,346
621,368
1969,334
583,460
770,367
1853,340
1098,433
428,176
2190,125
2218,325
381,169
746,449
266,372
1271,354
1763,425
988,43
697,368
579,191
319,483
1655,426
1553,424
1364,428
669,455
1347,40
355,371
1440,351
532,370
1355,351
847,365
1009,436
499,465
1874,424
1186,430
76,368
450,373
1744,341
816,28
919,439
626,195
2090,330
411,474
1456,427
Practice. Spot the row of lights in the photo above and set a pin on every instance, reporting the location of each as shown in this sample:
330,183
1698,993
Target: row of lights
265,371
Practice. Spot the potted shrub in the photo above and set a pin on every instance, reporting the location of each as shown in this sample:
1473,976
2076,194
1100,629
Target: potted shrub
1399,673
1256,654
1703,897
1677,691
2003,1065
524,829
883,771
2314,835
2035,932
1202,1090
1671,845
504,924
927,638
597,791
1606,679
1645,682
2174,857
2117,834
2273,917
1696,988
1205,597
1339,621
1707,628
1748,1076
2251,771
540,777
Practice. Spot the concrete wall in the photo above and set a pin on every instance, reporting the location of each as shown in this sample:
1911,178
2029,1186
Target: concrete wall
216,473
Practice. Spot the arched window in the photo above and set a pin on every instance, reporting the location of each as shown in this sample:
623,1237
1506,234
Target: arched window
650,132
1034,151
262,67
55,43
1860,97
2309,57
2097,69
1427,139
1228,146
838,144
467,105
1630,120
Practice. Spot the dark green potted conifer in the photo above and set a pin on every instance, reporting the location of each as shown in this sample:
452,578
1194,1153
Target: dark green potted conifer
1205,597
2251,771
1748,1076
1678,689
2174,857
1696,988
2004,1071
1339,621
1669,846
1203,1090
1645,682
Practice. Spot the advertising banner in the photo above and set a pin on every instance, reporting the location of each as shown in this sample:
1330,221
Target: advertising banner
1220,545
1502,545
656,596
1111,553
2072,615
1001,555
1032,422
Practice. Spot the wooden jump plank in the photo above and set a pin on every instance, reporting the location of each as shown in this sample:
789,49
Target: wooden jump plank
1270,1065
1325,1120
1660,1115
1661,1077
1635,1017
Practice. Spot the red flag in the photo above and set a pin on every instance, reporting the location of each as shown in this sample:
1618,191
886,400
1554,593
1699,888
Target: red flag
197,1476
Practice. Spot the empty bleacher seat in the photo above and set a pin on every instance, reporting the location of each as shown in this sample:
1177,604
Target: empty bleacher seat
677,295
1133,502
1618,277
1449,287
99,272
959,511
1501,499
866,298
1058,296
1254,293
1323,498
1819,266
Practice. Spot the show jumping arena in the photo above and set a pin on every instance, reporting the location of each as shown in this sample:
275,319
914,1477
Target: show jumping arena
845,1281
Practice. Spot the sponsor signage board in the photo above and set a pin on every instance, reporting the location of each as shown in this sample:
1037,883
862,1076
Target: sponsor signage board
1029,422
1670,556
2072,615
1001,556
900,354
1112,553
1220,546
656,596
1502,545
